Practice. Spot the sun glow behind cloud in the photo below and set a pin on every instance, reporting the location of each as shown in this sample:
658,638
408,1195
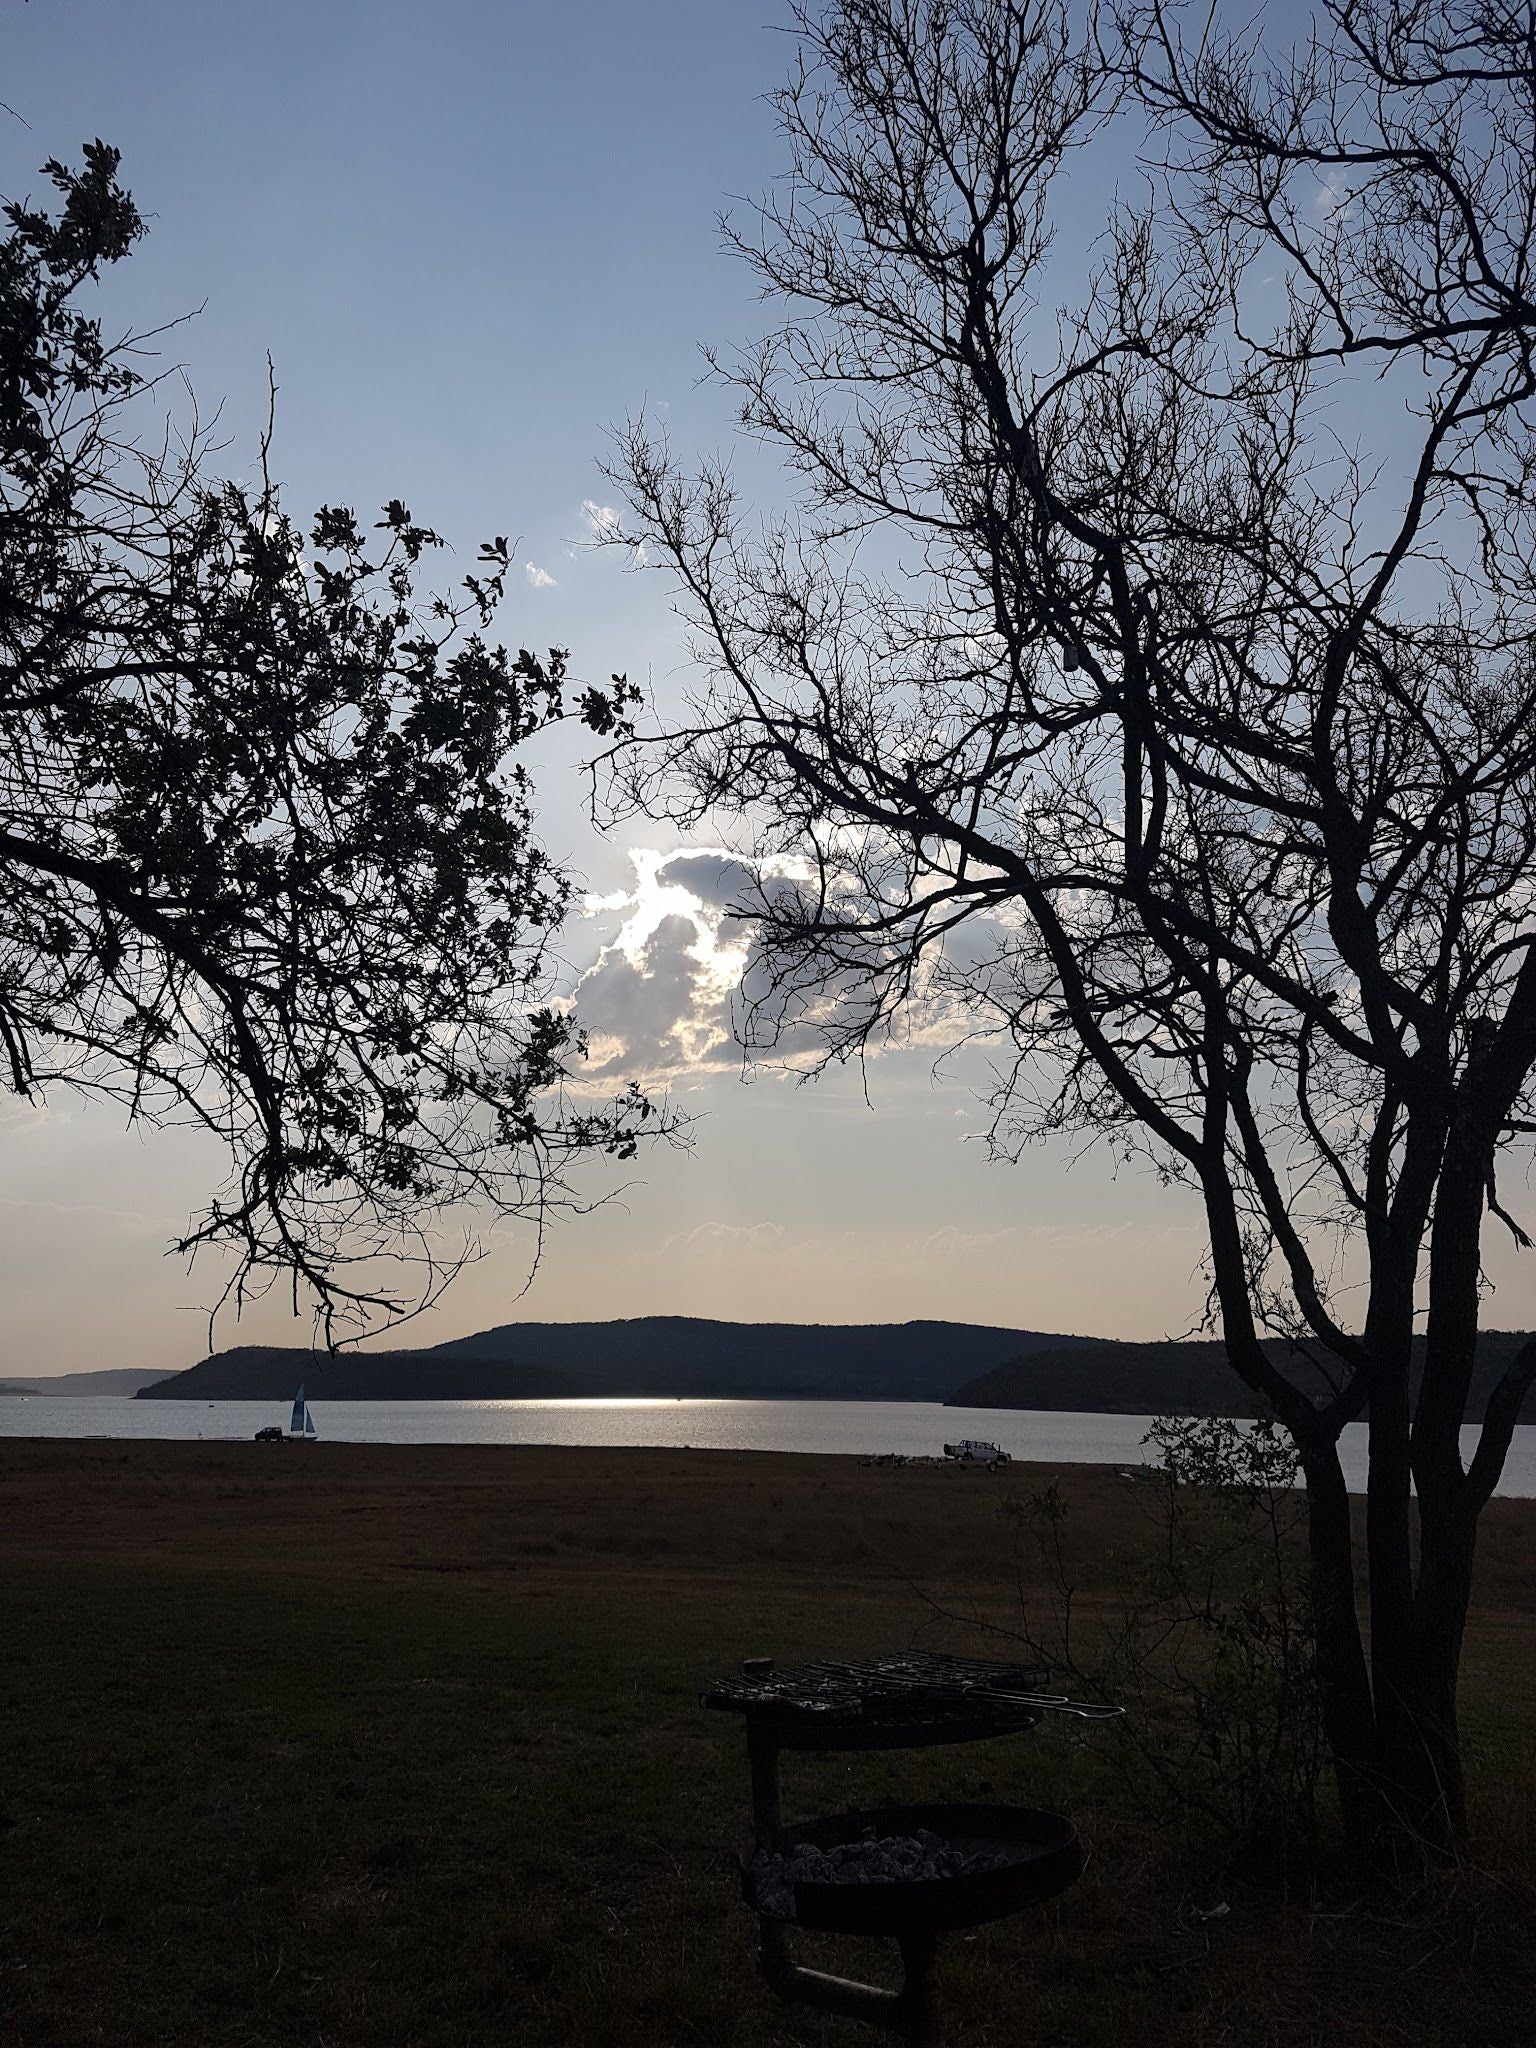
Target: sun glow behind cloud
679,981
656,896
658,997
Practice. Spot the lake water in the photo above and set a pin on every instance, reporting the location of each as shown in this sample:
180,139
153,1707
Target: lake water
916,1428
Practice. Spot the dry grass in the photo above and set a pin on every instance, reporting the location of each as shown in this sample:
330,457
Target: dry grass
364,1745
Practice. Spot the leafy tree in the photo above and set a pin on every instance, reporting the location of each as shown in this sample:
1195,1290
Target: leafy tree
1153,679
267,858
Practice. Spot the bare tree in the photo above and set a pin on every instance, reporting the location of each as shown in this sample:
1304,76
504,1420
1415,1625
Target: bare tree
1154,679
268,862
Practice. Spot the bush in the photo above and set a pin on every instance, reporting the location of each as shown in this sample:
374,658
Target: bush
1208,1644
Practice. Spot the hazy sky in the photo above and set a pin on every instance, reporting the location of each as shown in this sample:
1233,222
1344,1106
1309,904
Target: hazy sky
473,237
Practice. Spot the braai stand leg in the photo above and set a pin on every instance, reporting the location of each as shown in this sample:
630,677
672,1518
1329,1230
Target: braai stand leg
763,1757
913,2011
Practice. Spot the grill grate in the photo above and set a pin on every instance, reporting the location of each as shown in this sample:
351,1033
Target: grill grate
919,1685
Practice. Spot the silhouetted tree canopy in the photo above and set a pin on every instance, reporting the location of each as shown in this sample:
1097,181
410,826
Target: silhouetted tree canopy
267,858
1147,674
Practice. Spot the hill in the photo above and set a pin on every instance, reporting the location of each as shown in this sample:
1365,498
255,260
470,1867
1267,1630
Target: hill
88,1385
658,1355
1177,1378
271,1372
688,1355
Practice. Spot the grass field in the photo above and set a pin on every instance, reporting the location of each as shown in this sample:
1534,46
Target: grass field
374,1747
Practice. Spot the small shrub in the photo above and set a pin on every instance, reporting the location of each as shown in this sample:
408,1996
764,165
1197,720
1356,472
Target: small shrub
1207,1645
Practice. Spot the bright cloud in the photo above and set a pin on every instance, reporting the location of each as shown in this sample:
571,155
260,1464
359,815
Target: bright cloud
670,990
659,996
539,578
602,520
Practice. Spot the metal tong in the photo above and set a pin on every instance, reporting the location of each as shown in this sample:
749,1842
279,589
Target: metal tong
977,1689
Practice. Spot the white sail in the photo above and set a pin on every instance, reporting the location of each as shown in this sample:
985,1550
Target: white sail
296,1420
309,1423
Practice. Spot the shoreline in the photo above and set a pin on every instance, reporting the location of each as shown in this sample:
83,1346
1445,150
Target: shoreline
829,1431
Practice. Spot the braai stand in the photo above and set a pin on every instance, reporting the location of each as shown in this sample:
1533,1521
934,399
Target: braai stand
912,2011
908,1702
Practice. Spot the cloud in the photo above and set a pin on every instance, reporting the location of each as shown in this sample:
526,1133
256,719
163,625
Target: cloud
603,523
602,520
539,578
718,879
949,1243
1334,199
659,997
718,1238
127,1219
673,987
657,1007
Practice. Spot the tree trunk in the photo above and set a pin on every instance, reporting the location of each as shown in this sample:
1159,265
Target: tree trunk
1427,1764
1389,1526
1348,1722
1421,1754
1392,1735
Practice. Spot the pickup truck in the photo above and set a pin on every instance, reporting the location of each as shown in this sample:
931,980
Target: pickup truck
971,1452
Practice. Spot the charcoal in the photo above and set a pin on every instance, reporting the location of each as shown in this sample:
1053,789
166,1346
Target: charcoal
885,1859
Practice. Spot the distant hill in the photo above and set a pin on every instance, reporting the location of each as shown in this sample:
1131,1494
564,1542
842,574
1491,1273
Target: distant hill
660,1355
271,1372
122,1381
688,1355
1178,1378
965,1365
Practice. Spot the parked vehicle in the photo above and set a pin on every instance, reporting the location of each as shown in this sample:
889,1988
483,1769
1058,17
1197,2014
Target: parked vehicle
270,1435
971,1451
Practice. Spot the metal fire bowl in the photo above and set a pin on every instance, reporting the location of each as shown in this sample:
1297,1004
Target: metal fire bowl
1046,1858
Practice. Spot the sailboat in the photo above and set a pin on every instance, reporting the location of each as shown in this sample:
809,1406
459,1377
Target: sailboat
301,1423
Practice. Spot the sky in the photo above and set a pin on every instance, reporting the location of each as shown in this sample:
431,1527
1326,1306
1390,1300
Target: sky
474,238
